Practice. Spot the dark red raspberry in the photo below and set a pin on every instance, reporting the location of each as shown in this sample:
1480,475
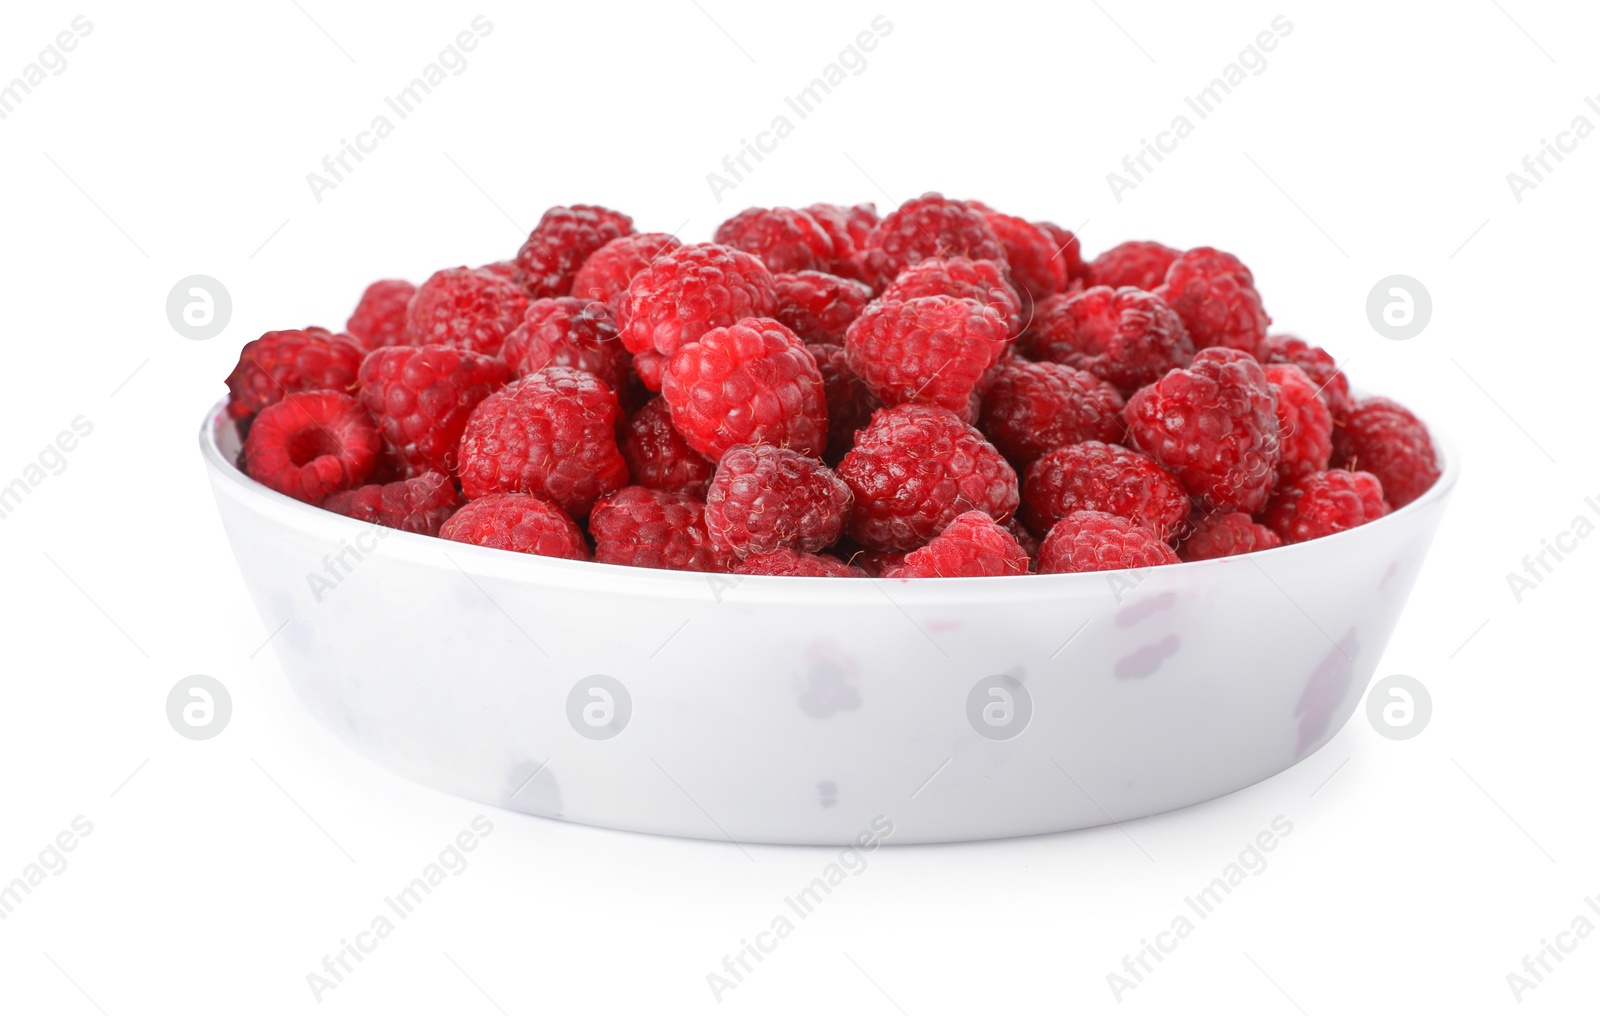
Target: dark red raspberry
1215,295
983,281
1031,408
648,368
653,529
751,383
295,360
1024,537
875,563
848,228
1319,365
913,469
562,241
1385,439
931,226
657,455
605,276
687,292
1305,427
785,239
850,402
1032,254
552,433
971,546
819,307
1325,503
1068,250
933,350
784,561
380,318
1215,425
565,331
1126,336
522,523
1097,541
312,444
1141,264
421,397
418,505
764,497
465,308
1225,535
1100,477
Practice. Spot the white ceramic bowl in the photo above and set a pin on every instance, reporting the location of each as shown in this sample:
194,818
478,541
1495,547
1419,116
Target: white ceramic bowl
804,710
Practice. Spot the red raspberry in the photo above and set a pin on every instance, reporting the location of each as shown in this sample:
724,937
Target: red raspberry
1126,336
421,397
1325,503
518,522
763,498
1096,541
1032,254
653,529
785,239
972,545
850,402
465,308
380,318
418,505
1068,250
1319,366
1215,425
562,241
1031,408
294,360
312,444
648,368
819,307
1024,537
659,458
1384,438
983,281
913,469
501,269
785,561
1226,535
751,383
605,276
1141,264
931,226
1100,477
565,331
1305,428
687,292
1215,295
933,350
553,433
848,228
877,563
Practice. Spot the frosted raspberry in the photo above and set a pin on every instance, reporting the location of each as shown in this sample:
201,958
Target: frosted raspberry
1215,295
687,292
1141,264
523,523
932,350
1126,336
605,276
785,239
1325,503
763,498
784,561
312,444
421,397
465,308
850,402
1031,408
294,360
562,241
653,529
657,455
1320,367
568,332
1385,439
931,226
971,546
418,505
819,307
1305,427
1095,541
1095,476
983,281
380,318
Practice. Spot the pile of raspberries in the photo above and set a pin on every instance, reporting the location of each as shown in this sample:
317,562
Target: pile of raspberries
945,391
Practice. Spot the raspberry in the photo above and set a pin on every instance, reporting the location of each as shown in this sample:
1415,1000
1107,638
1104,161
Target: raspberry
751,383
1096,541
931,226
648,368
1226,535
763,498
877,563
1325,503
1319,366
1215,425
932,349
418,505
1141,264
653,529
517,522
1305,428
1031,253
785,239
421,397
1384,438
295,360
687,292
552,433
568,332
605,276
850,402
1126,336
972,545
560,244
1100,477
1215,295
501,269
983,281
1031,408
657,455
848,228
312,444
1024,537
819,307
465,308
913,469
380,318
785,561
1068,250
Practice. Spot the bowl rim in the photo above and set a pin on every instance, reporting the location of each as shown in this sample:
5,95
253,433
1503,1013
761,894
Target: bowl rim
700,586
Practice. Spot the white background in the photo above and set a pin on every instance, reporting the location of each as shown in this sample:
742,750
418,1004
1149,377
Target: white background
1376,141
